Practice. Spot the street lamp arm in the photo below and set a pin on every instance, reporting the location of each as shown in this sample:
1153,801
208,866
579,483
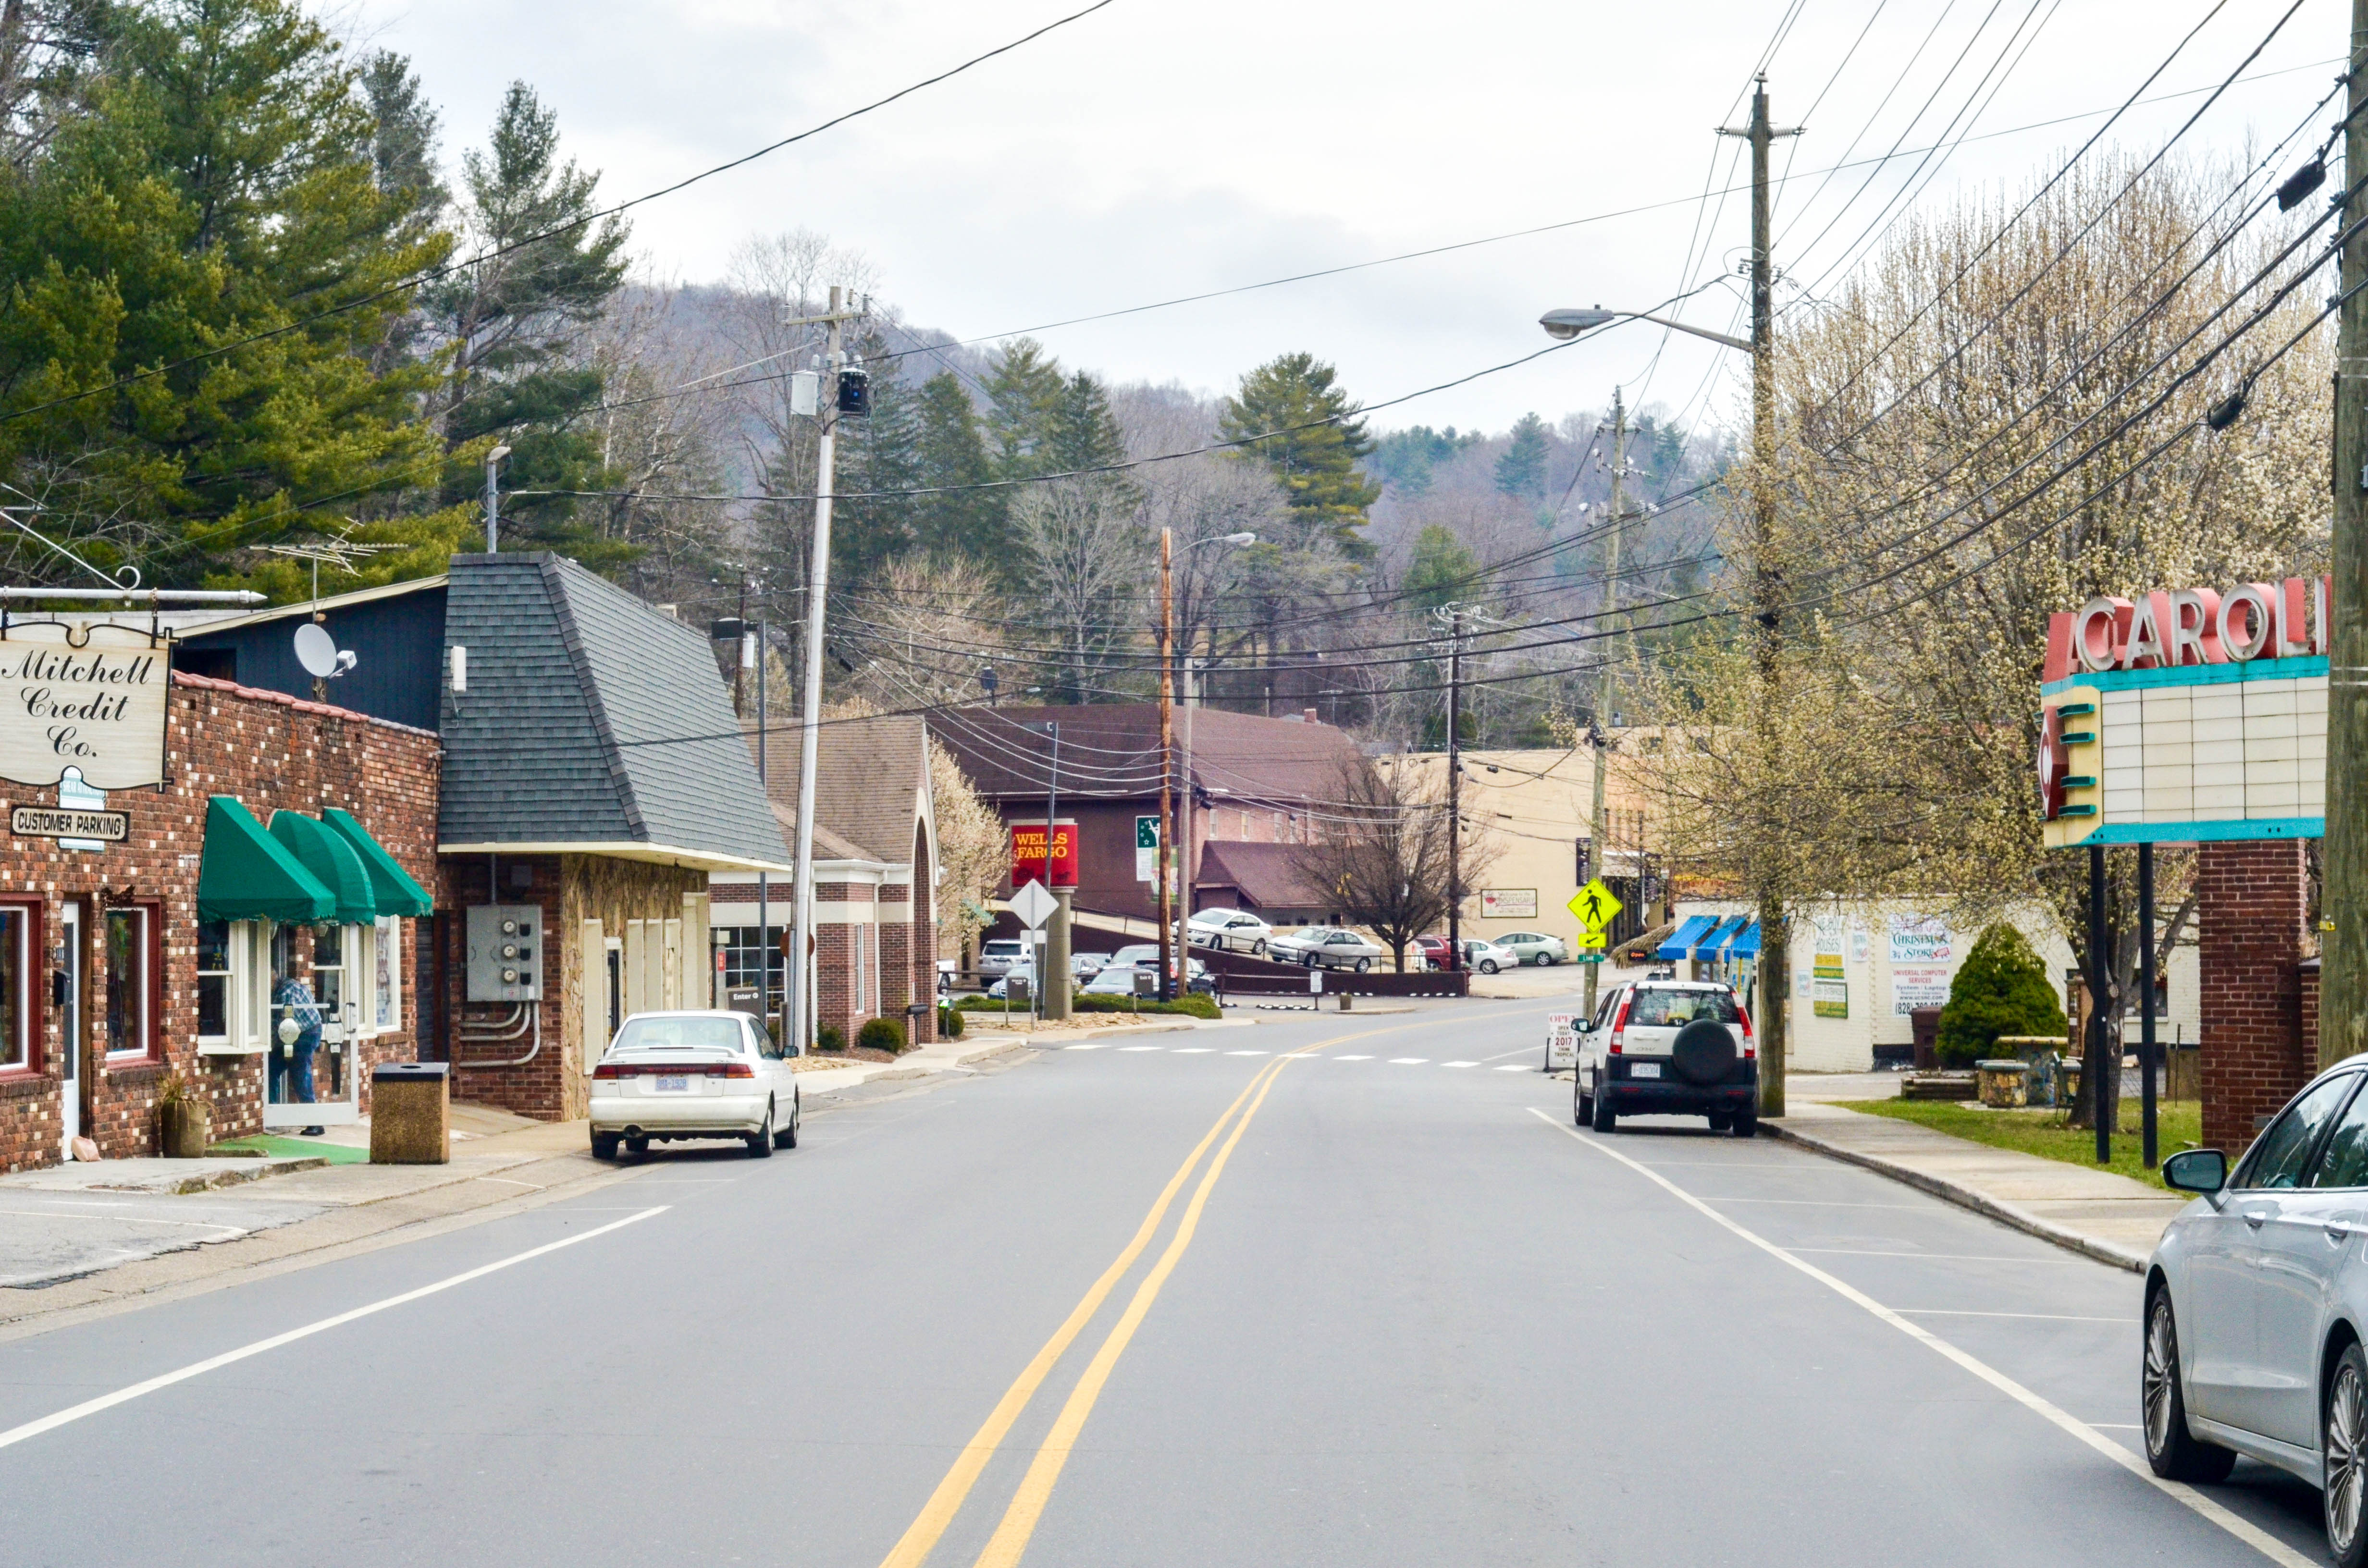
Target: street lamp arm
1569,324
1719,338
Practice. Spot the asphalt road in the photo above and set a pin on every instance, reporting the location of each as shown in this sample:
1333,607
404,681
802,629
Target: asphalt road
1197,1305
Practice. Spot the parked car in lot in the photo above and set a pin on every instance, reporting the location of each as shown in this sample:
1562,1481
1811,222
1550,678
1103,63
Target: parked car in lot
1084,966
1668,1048
1229,928
2256,1299
1328,946
1023,970
1117,979
1479,954
1534,947
996,955
693,1074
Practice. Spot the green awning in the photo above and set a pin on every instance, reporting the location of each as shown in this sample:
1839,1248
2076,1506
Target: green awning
397,893
328,857
249,875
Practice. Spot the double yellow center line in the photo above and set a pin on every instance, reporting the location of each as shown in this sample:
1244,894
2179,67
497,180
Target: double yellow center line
1010,1539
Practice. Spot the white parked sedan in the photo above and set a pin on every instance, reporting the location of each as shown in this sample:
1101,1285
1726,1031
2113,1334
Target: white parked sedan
1328,946
693,1074
1534,947
1230,929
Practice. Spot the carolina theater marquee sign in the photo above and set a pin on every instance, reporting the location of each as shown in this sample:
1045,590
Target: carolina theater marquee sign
2187,716
91,698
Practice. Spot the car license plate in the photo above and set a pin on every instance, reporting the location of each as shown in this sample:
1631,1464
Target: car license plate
1643,1070
676,1083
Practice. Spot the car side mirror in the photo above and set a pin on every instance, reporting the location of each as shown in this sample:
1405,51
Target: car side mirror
2196,1170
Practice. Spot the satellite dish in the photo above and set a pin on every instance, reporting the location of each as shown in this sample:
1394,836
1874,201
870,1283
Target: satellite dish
316,651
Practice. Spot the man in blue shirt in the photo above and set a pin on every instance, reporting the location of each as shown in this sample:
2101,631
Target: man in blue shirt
292,998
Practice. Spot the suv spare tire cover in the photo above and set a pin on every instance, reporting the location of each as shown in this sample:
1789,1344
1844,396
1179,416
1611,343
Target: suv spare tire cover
1703,1052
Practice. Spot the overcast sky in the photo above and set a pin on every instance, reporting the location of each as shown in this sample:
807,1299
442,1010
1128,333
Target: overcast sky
1154,150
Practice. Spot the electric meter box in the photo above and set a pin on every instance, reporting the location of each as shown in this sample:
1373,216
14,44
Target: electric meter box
505,952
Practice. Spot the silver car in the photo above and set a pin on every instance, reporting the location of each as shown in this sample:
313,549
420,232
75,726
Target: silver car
2256,1299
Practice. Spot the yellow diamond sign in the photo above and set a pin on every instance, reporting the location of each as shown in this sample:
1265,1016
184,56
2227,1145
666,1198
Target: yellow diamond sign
1594,905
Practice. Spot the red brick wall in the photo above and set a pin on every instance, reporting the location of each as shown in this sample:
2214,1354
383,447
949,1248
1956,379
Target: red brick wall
2250,913
271,752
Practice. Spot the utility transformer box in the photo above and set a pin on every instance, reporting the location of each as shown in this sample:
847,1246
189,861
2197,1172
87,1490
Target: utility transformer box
505,952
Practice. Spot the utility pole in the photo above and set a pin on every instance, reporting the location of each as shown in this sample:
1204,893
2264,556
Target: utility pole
1168,964
1775,979
1190,696
1455,790
2343,902
1052,979
802,991
1604,686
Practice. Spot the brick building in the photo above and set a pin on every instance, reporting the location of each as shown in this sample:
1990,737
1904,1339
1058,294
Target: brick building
125,962
2258,985
875,877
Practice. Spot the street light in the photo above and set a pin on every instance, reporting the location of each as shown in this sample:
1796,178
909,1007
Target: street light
1174,915
1569,324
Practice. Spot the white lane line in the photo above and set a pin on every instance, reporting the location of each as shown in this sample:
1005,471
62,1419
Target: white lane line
1408,1061
1142,1047
214,1363
1088,1045
1823,1203
1459,1065
1933,1256
1250,1053
2049,1317
2244,1529
122,1219
1194,1050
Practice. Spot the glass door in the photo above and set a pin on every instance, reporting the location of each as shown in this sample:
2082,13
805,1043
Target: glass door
67,994
309,1082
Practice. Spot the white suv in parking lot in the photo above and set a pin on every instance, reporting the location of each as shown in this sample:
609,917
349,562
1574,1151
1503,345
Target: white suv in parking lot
1669,1048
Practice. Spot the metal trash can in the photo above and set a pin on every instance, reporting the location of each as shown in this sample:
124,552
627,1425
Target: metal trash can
411,1114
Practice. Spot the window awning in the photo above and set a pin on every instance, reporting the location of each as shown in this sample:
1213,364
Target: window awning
395,892
324,852
248,875
1745,944
1682,940
1709,946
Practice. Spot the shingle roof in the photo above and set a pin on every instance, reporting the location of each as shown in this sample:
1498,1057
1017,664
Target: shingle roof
589,718
1266,875
870,778
1110,751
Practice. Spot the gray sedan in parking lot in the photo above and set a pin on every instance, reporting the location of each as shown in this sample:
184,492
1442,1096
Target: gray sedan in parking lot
2256,1298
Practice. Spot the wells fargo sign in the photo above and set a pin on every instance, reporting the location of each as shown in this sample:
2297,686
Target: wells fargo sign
1027,853
86,698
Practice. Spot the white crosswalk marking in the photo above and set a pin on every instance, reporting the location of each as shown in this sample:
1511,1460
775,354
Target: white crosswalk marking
1142,1047
1194,1050
1248,1053
1459,1065
1513,1067
1350,1059
1408,1061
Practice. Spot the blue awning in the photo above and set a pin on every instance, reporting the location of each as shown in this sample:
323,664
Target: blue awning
1745,944
1682,940
1709,946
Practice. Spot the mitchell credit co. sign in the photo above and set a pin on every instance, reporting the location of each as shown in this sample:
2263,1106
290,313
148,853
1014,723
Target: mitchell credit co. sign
86,697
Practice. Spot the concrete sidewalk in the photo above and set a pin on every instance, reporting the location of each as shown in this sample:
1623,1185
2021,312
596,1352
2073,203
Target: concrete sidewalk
2107,1217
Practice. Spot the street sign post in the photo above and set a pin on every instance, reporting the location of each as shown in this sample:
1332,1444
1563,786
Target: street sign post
1033,904
1593,906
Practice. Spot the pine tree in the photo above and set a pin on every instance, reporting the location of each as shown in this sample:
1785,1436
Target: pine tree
1521,469
1443,569
1024,392
2002,989
878,452
950,452
1307,432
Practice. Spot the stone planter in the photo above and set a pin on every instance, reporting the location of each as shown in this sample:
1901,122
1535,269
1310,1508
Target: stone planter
2003,1083
181,1129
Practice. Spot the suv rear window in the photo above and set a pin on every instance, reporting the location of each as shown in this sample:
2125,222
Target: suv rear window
1000,949
1664,1008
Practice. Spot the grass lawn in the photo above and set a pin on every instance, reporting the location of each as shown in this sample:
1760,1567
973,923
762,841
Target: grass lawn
2178,1125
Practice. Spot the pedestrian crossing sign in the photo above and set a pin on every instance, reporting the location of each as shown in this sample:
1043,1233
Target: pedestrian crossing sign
1593,906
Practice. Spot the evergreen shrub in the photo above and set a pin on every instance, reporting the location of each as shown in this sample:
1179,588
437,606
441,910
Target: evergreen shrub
882,1034
2003,989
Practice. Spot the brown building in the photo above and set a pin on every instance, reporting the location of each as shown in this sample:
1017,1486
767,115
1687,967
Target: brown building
288,840
1256,784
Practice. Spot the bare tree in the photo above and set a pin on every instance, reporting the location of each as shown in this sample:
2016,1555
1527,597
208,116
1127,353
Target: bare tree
1081,555
1384,865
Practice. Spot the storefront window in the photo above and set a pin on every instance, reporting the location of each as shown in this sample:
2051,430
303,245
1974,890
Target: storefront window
329,973
387,973
15,994
213,980
744,959
129,1029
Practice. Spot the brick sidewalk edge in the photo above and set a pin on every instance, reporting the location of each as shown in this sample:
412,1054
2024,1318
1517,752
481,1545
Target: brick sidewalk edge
1964,1197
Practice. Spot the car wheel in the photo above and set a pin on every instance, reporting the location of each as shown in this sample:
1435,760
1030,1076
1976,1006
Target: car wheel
604,1145
2171,1449
1606,1119
1746,1124
760,1143
787,1138
1720,1121
1363,965
1258,948
2346,1458
1582,1104
1488,966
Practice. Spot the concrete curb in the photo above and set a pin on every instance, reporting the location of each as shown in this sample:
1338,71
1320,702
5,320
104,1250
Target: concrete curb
1964,1197
233,1178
